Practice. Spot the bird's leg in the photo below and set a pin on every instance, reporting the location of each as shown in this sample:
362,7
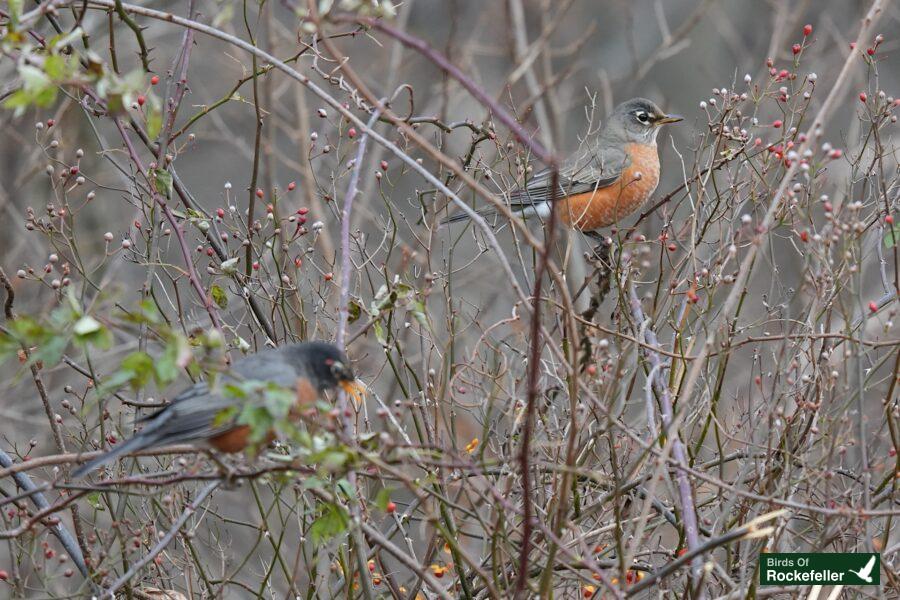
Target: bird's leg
602,261
603,266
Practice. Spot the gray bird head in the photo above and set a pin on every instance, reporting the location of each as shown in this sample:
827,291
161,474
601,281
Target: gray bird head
637,120
326,366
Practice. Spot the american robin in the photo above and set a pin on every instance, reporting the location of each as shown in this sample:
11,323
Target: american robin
608,180
192,417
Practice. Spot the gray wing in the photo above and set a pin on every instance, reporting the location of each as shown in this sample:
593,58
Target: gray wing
594,169
191,414
189,417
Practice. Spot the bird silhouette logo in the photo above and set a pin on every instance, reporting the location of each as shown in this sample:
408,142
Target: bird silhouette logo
866,572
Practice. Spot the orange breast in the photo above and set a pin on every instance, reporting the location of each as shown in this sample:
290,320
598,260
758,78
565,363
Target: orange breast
607,206
236,440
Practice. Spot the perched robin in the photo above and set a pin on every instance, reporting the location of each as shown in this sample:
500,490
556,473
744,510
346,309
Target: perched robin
608,180
192,417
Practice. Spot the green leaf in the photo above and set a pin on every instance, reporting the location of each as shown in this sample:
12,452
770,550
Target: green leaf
225,415
87,325
332,522
94,500
346,488
404,291
219,296
418,310
176,355
312,483
383,497
333,460
163,182
110,384
55,67
140,366
15,12
154,122
88,330
379,333
51,351
354,310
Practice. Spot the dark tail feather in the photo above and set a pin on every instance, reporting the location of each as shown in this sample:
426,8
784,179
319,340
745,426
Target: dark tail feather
138,442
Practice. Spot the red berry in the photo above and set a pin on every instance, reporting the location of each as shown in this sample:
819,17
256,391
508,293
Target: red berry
782,74
836,153
777,124
3,575
302,210
889,219
259,193
863,97
256,266
292,186
591,370
873,307
270,209
141,100
351,133
796,48
50,123
154,80
804,236
384,165
220,212
298,262
870,51
329,276
807,30
672,247
853,45
391,507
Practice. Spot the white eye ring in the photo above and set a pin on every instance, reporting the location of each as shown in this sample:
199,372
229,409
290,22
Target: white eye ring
642,116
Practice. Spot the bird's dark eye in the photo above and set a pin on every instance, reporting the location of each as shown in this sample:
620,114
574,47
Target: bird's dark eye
642,116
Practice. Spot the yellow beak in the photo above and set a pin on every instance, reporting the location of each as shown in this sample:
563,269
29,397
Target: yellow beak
669,119
356,389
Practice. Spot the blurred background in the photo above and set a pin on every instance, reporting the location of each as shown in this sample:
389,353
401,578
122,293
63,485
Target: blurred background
559,66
